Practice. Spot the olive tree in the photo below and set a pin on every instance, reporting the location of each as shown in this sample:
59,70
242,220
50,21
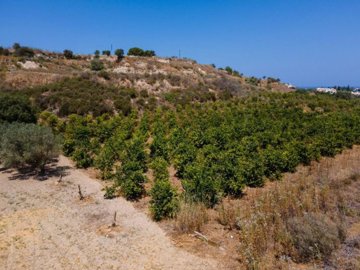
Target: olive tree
24,145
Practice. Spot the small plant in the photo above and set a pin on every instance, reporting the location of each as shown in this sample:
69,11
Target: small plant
104,74
110,192
228,215
97,65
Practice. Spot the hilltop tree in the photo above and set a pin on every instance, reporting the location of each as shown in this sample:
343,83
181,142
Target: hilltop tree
149,53
140,52
68,54
119,53
16,46
106,52
136,51
229,70
97,54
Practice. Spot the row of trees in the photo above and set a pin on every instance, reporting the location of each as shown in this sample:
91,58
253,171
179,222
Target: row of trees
135,51
217,148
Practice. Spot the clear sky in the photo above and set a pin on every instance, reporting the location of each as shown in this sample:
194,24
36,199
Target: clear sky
304,42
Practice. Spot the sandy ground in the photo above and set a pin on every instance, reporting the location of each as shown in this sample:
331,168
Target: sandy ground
44,225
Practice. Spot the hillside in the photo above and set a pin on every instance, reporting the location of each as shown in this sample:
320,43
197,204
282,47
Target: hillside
165,79
241,172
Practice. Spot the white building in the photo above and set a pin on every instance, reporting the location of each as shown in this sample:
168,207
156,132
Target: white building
326,90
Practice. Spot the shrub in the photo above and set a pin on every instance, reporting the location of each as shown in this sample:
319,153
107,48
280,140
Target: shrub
110,193
75,96
24,52
164,202
228,215
314,236
191,217
97,65
132,186
160,167
68,54
104,74
200,185
82,157
229,70
28,145
15,108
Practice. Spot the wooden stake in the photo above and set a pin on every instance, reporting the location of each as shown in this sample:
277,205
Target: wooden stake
80,193
59,181
114,221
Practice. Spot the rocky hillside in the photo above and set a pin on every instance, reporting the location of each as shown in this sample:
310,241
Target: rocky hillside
104,84
153,74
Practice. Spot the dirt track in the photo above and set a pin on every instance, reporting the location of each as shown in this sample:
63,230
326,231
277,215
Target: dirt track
44,225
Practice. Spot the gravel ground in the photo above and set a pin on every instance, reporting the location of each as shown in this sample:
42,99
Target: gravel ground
44,225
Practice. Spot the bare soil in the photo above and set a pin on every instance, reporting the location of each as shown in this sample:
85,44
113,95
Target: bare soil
44,225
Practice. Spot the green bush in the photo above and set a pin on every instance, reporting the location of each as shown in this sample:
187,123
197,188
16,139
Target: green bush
79,96
110,192
160,167
27,145
132,186
82,158
200,185
68,54
15,108
164,202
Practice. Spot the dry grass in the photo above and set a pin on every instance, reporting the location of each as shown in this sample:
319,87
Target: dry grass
272,218
191,217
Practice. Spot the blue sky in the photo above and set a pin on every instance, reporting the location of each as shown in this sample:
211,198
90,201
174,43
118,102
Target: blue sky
304,42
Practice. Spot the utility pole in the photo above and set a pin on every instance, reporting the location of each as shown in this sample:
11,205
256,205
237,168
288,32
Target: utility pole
179,54
111,48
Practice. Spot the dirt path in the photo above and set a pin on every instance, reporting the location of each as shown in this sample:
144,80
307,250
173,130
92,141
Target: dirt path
44,225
